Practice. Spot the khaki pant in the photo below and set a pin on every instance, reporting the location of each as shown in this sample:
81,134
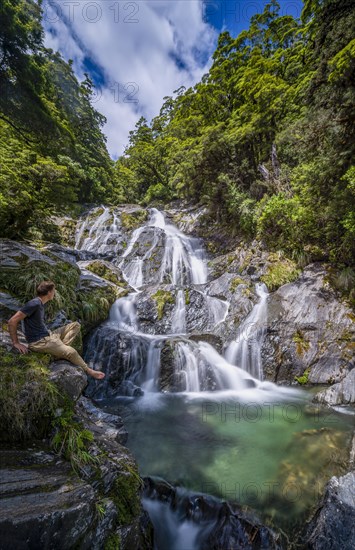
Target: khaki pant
57,344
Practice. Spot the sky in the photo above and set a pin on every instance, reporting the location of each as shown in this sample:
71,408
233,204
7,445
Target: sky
138,52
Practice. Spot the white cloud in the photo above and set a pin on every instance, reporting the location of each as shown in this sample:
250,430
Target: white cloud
155,45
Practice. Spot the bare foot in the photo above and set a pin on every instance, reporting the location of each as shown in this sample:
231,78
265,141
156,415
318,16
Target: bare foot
96,374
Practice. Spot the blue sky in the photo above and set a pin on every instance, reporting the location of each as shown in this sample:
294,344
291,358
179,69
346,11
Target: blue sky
139,51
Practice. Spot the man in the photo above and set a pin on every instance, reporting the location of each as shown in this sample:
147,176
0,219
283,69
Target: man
40,339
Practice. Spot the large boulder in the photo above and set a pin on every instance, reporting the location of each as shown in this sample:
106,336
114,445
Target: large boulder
342,393
333,525
310,332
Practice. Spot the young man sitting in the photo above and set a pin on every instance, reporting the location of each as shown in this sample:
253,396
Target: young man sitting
41,339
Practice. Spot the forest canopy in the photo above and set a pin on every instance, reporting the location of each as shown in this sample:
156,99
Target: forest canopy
265,140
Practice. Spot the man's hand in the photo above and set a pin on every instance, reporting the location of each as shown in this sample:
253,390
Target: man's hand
21,348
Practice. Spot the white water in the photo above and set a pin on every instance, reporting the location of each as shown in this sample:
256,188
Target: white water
101,232
178,322
245,351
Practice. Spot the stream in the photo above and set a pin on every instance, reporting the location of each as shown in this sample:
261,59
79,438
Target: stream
203,418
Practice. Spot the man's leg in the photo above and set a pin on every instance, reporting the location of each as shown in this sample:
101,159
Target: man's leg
53,345
68,333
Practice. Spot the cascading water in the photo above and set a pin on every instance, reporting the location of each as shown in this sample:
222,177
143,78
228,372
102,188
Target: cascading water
98,234
197,365
245,351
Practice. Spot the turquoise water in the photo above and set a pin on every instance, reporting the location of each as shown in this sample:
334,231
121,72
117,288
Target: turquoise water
273,455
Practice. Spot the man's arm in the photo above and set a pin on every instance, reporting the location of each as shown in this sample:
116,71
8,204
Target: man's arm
12,323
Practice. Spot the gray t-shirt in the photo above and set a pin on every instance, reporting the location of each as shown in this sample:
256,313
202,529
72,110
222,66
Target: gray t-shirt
33,324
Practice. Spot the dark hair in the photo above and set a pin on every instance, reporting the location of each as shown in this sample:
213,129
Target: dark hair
44,287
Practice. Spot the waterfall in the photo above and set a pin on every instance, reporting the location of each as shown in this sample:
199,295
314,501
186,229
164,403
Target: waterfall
245,351
178,323
99,233
193,366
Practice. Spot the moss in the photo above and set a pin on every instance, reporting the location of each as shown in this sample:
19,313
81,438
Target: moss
187,297
233,285
28,400
127,494
161,298
96,213
304,378
113,542
102,270
302,345
134,219
279,272
247,293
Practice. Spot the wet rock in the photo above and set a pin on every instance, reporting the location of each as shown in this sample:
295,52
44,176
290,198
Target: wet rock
212,339
309,329
333,525
104,426
129,389
146,255
341,393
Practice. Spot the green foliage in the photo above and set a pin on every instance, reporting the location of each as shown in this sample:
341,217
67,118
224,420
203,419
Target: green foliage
72,441
304,378
23,282
113,542
52,150
279,272
28,401
267,139
161,298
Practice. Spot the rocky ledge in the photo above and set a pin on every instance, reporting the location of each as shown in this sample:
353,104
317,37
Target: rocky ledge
78,487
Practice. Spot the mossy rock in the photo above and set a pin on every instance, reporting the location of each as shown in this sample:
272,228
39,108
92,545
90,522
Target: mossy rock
132,220
234,283
28,400
280,271
104,270
127,487
302,345
161,298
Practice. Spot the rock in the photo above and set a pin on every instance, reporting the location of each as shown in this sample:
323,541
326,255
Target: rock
309,329
14,255
69,379
70,255
103,425
341,393
333,525
38,499
8,306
